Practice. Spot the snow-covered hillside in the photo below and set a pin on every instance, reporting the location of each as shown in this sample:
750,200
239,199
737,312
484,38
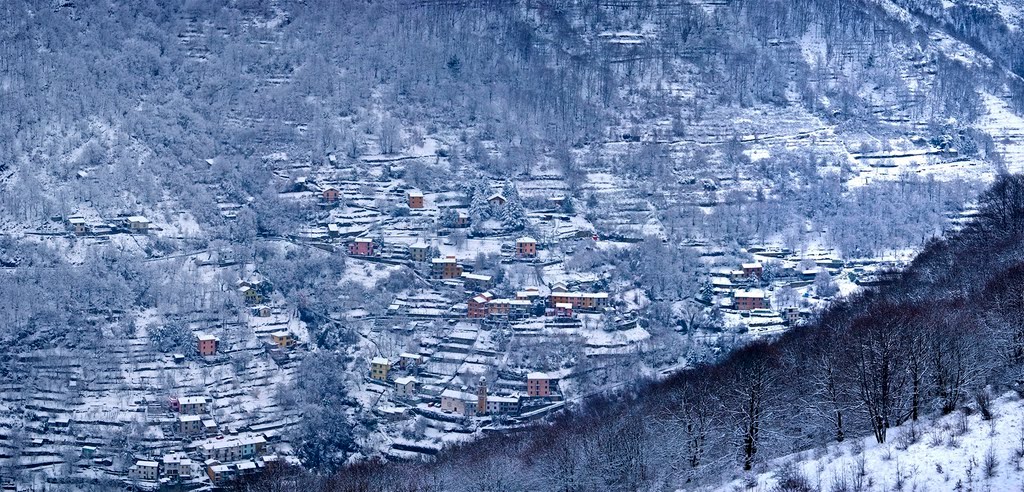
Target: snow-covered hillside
966,450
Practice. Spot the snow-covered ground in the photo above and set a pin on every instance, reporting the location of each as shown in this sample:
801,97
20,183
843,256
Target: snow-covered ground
954,452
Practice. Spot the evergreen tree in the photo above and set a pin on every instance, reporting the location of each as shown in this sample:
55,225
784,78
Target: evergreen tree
449,218
479,209
513,217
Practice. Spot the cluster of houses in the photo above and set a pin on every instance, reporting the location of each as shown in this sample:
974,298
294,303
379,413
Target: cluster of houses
740,285
458,400
561,303
132,224
222,459
192,420
173,466
742,289
524,248
462,403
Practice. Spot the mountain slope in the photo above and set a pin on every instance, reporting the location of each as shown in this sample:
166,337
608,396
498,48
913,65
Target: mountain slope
936,343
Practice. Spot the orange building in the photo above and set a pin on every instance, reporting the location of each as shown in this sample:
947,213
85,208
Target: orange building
580,300
445,268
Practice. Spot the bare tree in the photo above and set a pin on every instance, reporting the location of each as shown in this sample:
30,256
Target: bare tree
879,367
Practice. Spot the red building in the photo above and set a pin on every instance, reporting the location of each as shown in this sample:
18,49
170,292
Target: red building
563,310
538,384
361,246
330,195
415,199
477,306
526,247
207,344
752,270
750,299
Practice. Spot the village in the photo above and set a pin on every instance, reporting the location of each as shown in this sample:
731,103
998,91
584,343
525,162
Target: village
495,329
495,326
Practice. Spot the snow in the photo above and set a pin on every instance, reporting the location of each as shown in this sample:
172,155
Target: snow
949,454
1007,130
751,293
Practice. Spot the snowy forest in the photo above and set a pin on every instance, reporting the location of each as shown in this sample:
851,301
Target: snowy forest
283,244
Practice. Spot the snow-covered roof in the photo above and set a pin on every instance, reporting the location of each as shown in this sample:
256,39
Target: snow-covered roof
458,395
280,334
229,443
419,244
563,305
138,218
380,361
245,465
362,240
503,399
76,220
537,375
405,380
146,463
205,337
752,293
512,302
409,355
447,259
526,239
190,418
583,295
192,400
750,266
496,196
415,193
174,457
476,276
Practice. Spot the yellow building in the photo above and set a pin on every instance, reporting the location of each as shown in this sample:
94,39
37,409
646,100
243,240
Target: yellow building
379,368
251,295
282,339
